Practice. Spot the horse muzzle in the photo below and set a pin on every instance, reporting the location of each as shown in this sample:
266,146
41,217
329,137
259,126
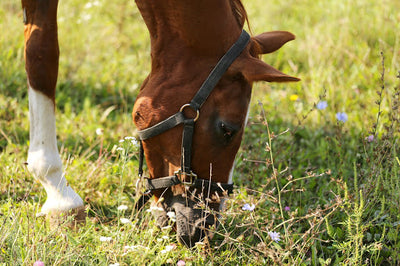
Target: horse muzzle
193,224
195,220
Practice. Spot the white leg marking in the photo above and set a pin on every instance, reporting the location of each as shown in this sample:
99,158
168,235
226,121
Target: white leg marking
43,158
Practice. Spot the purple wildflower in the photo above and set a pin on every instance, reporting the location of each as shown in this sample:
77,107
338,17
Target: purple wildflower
322,105
248,207
38,263
287,208
341,116
370,138
181,263
275,236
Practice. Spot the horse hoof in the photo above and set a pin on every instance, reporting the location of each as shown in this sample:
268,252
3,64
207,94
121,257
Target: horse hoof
70,219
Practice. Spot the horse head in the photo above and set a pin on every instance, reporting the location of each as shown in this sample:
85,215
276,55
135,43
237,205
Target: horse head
191,158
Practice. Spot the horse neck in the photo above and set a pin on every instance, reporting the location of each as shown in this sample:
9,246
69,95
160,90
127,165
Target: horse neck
204,28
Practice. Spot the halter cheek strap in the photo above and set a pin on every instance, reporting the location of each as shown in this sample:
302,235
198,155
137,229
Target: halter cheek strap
185,175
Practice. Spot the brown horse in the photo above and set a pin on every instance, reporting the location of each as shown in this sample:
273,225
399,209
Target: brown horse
190,160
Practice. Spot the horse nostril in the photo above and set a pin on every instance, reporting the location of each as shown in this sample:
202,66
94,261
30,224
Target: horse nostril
227,131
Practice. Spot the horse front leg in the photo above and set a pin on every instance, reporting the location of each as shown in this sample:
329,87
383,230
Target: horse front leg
41,64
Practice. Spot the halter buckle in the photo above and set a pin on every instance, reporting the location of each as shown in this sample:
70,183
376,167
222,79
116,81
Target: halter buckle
188,105
191,175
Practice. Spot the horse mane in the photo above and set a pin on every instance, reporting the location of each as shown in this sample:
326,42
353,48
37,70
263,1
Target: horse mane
241,17
239,12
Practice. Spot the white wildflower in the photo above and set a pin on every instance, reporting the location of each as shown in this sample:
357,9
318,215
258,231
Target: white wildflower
135,142
133,248
125,221
99,131
172,216
91,4
168,248
86,17
106,239
167,227
155,208
122,207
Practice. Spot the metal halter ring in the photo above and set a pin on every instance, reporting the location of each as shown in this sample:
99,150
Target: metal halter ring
188,105
191,175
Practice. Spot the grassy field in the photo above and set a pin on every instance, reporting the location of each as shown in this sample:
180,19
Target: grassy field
331,189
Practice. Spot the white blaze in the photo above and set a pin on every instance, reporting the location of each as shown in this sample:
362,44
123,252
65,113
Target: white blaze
43,158
233,166
230,181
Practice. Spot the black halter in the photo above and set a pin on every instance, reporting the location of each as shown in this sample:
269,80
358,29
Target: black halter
185,175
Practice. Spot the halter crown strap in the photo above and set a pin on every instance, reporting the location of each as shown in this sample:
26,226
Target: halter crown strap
219,70
187,137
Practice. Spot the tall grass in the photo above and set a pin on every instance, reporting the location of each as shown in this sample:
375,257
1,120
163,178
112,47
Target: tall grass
328,188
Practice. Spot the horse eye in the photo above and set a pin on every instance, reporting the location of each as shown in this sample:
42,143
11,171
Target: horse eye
226,131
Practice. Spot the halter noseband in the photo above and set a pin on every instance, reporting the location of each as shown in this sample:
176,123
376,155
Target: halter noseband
190,178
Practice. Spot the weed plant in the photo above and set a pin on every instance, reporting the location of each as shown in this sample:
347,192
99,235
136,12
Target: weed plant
317,175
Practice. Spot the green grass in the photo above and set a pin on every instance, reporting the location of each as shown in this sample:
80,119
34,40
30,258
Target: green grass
342,191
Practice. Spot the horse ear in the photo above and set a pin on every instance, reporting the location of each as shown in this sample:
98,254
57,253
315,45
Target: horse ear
253,69
269,42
